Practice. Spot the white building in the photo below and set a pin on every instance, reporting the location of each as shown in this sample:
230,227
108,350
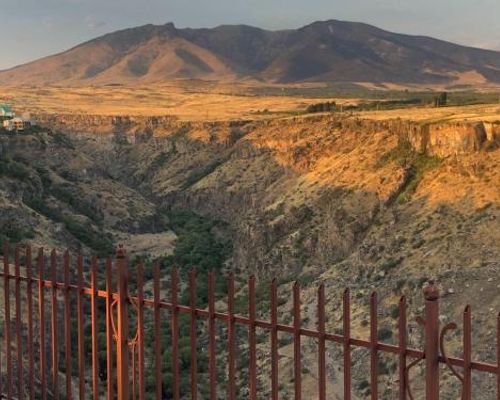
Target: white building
16,124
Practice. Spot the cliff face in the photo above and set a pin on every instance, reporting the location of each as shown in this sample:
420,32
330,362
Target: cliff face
305,192
366,204
433,139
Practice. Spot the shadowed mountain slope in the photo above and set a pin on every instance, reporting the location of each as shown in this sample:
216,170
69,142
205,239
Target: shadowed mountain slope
328,51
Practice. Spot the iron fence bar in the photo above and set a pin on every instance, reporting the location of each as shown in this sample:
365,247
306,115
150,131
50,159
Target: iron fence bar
402,339
373,346
109,327
467,322
67,325
19,336
296,342
346,334
251,340
41,317
29,288
321,344
431,294
122,348
93,318
212,373
156,330
274,340
140,329
432,328
231,340
193,335
6,287
498,356
80,328
267,325
54,321
175,335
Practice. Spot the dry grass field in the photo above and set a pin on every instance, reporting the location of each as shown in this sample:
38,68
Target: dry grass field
481,112
202,100
204,103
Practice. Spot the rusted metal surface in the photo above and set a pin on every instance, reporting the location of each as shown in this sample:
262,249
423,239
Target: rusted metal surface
193,335
122,349
231,341
41,319
93,318
29,378
431,327
212,351
80,327
109,327
346,341
19,333
29,299
467,343
54,330
67,326
6,287
297,359
402,342
321,344
373,347
252,366
174,323
156,330
140,331
274,340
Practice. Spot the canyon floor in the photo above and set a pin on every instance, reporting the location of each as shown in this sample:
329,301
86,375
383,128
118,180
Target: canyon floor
368,200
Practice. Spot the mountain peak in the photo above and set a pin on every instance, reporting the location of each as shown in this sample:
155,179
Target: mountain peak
323,51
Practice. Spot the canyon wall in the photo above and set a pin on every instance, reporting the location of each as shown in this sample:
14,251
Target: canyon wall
435,139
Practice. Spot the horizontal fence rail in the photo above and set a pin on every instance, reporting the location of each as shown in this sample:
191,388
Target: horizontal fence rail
55,343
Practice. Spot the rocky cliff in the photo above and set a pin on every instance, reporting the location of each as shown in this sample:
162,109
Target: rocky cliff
366,204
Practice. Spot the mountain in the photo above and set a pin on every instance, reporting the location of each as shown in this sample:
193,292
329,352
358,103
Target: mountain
327,51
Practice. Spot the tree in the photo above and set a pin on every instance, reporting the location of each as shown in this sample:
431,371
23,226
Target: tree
441,100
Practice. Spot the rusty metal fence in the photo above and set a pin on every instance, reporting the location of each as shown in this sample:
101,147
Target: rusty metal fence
35,372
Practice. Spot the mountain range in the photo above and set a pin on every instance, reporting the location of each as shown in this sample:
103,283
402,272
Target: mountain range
327,51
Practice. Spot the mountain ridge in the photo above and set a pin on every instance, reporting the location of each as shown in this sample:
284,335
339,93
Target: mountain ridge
323,51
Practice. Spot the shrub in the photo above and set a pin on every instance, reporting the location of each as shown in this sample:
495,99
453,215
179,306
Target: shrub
384,334
14,169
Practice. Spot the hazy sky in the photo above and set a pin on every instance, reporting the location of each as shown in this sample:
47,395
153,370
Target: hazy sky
34,28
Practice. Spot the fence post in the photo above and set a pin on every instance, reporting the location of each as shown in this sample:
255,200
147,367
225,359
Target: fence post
431,294
122,352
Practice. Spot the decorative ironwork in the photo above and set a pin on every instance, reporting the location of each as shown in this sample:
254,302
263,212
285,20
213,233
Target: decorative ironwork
123,367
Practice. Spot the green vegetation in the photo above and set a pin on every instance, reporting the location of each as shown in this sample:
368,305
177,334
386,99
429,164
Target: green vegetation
416,164
13,169
328,106
10,232
202,245
66,194
201,173
456,96
85,232
441,100
384,334
62,140
159,161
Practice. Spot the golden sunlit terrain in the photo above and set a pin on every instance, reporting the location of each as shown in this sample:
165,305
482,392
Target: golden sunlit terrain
210,101
219,103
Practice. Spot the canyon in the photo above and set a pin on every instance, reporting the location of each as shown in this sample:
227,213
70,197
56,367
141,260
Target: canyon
350,201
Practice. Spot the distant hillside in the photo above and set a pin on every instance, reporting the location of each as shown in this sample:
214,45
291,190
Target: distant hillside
329,51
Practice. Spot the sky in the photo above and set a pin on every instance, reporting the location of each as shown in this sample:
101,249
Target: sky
31,29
